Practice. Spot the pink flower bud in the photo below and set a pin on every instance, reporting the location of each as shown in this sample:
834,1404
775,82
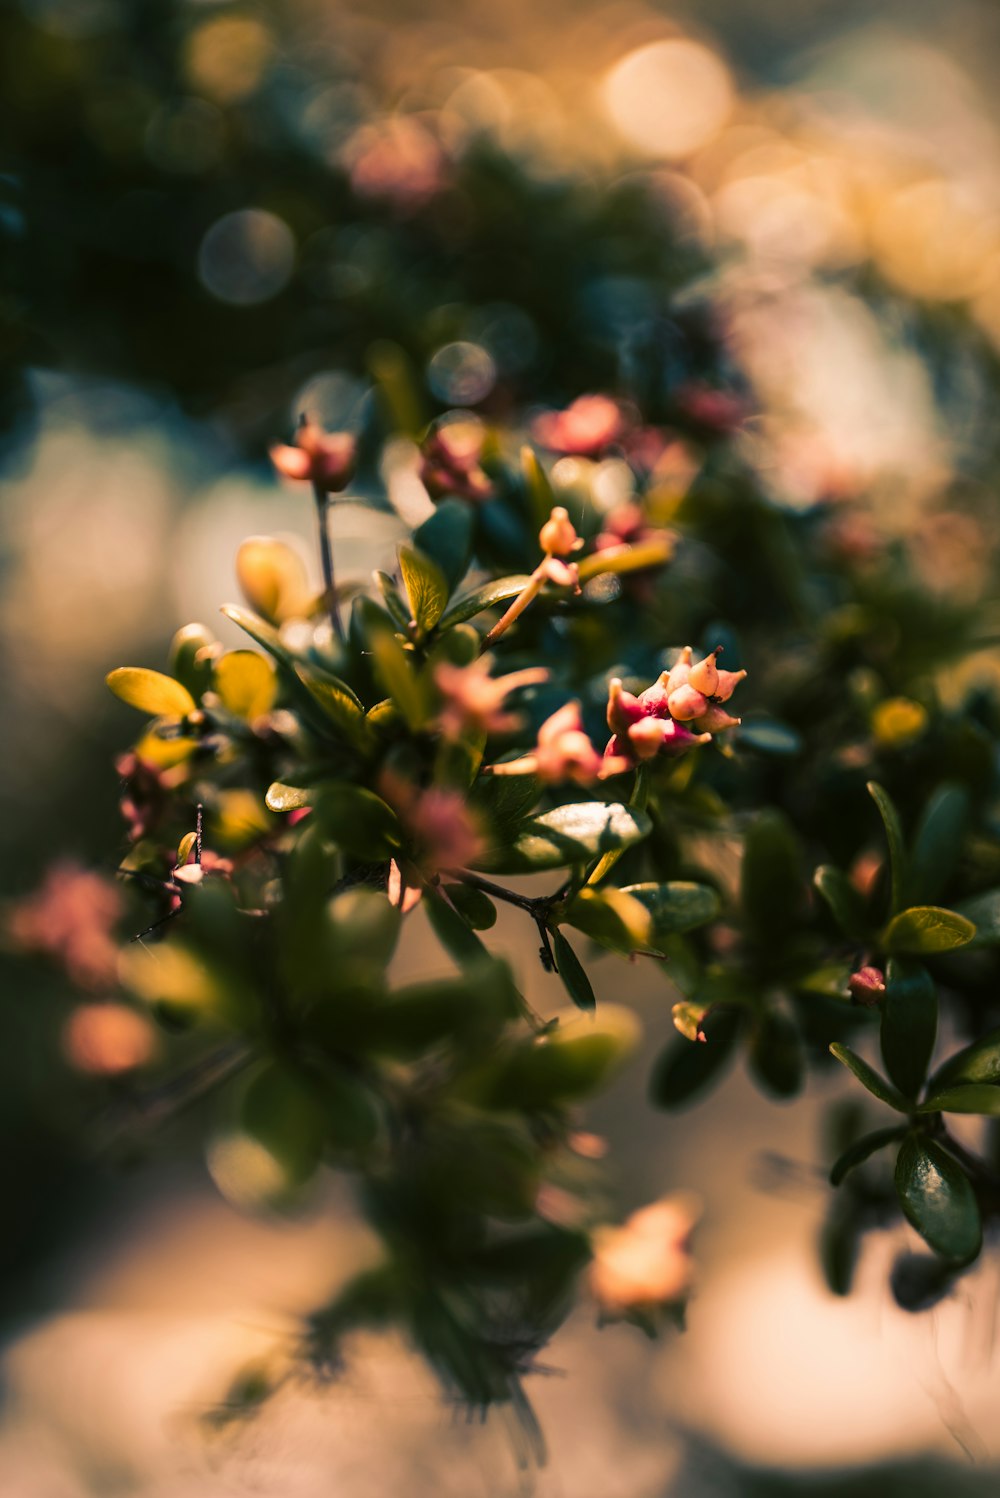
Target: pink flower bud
680,672
714,719
558,536
686,704
867,986
623,708
704,676
326,459
587,428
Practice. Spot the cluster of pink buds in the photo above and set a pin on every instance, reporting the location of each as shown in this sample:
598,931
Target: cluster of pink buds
451,462
326,459
682,708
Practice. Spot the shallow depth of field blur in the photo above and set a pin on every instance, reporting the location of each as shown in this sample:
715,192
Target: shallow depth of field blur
183,273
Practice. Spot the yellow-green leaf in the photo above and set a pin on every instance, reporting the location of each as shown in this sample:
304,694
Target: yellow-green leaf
151,692
246,683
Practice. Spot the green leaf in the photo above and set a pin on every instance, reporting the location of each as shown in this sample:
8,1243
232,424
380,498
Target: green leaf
358,821
637,558
282,797
447,538
570,970
282,1115
426,587
151,692
770,879
246,683
984,912
393,600
862,1150
677,905
612,917
970,1097
909,1024
845,903
768,736
572,834
894,838
869,1077
573,1060
978,1062
395,670
925,929
536,482
839,1241
937,844
938,1200
339,704
685,1069
258,629
476,908
500,590
453,932
444,1010
192,652
776,1057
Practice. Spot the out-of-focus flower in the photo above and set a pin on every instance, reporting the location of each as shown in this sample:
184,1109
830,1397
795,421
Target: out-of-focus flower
451,462
472,698
867,986
897,722
564,751
71,919
439,823
646,1263
108,1039
326,459
398,160
585,429
718,412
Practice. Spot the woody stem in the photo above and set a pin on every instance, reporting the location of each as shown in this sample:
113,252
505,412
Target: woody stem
517,608
326,560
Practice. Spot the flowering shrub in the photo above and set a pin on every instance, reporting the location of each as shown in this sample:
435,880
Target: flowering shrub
805,865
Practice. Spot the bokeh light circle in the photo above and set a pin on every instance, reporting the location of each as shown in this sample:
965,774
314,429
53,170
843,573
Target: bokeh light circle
669,98
461,373
246,257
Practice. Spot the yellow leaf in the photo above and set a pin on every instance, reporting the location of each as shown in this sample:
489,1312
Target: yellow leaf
246,682
151,692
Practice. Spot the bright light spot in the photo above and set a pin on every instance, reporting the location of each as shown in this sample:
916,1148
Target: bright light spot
934,241
461,374
669,98
226,57
246,257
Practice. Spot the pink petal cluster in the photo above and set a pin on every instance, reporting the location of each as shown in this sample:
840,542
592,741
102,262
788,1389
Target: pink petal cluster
647,1262
326,459
473,699
72,920
438,823
683,707
585,429
564,751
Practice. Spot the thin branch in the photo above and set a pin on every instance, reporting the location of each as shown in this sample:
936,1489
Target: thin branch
326,559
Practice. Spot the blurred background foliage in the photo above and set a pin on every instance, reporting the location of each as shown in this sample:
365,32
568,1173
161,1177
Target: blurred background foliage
212,215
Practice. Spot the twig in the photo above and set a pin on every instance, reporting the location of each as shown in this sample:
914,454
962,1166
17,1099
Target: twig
326,559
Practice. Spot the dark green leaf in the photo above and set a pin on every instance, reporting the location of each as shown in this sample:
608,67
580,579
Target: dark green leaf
776,1057
909,1024
770,879
839,1240
536,481
685,1069
396,669
676,905
938,1200
862,1150
869,1077
358,821
447,538
979,1062
612,917
894,838
476,907
339,704
570,970
574,1060
984,913
925,929
968,1097
845,904
937,844
393,600
500,590
426,587
258,629
453,931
